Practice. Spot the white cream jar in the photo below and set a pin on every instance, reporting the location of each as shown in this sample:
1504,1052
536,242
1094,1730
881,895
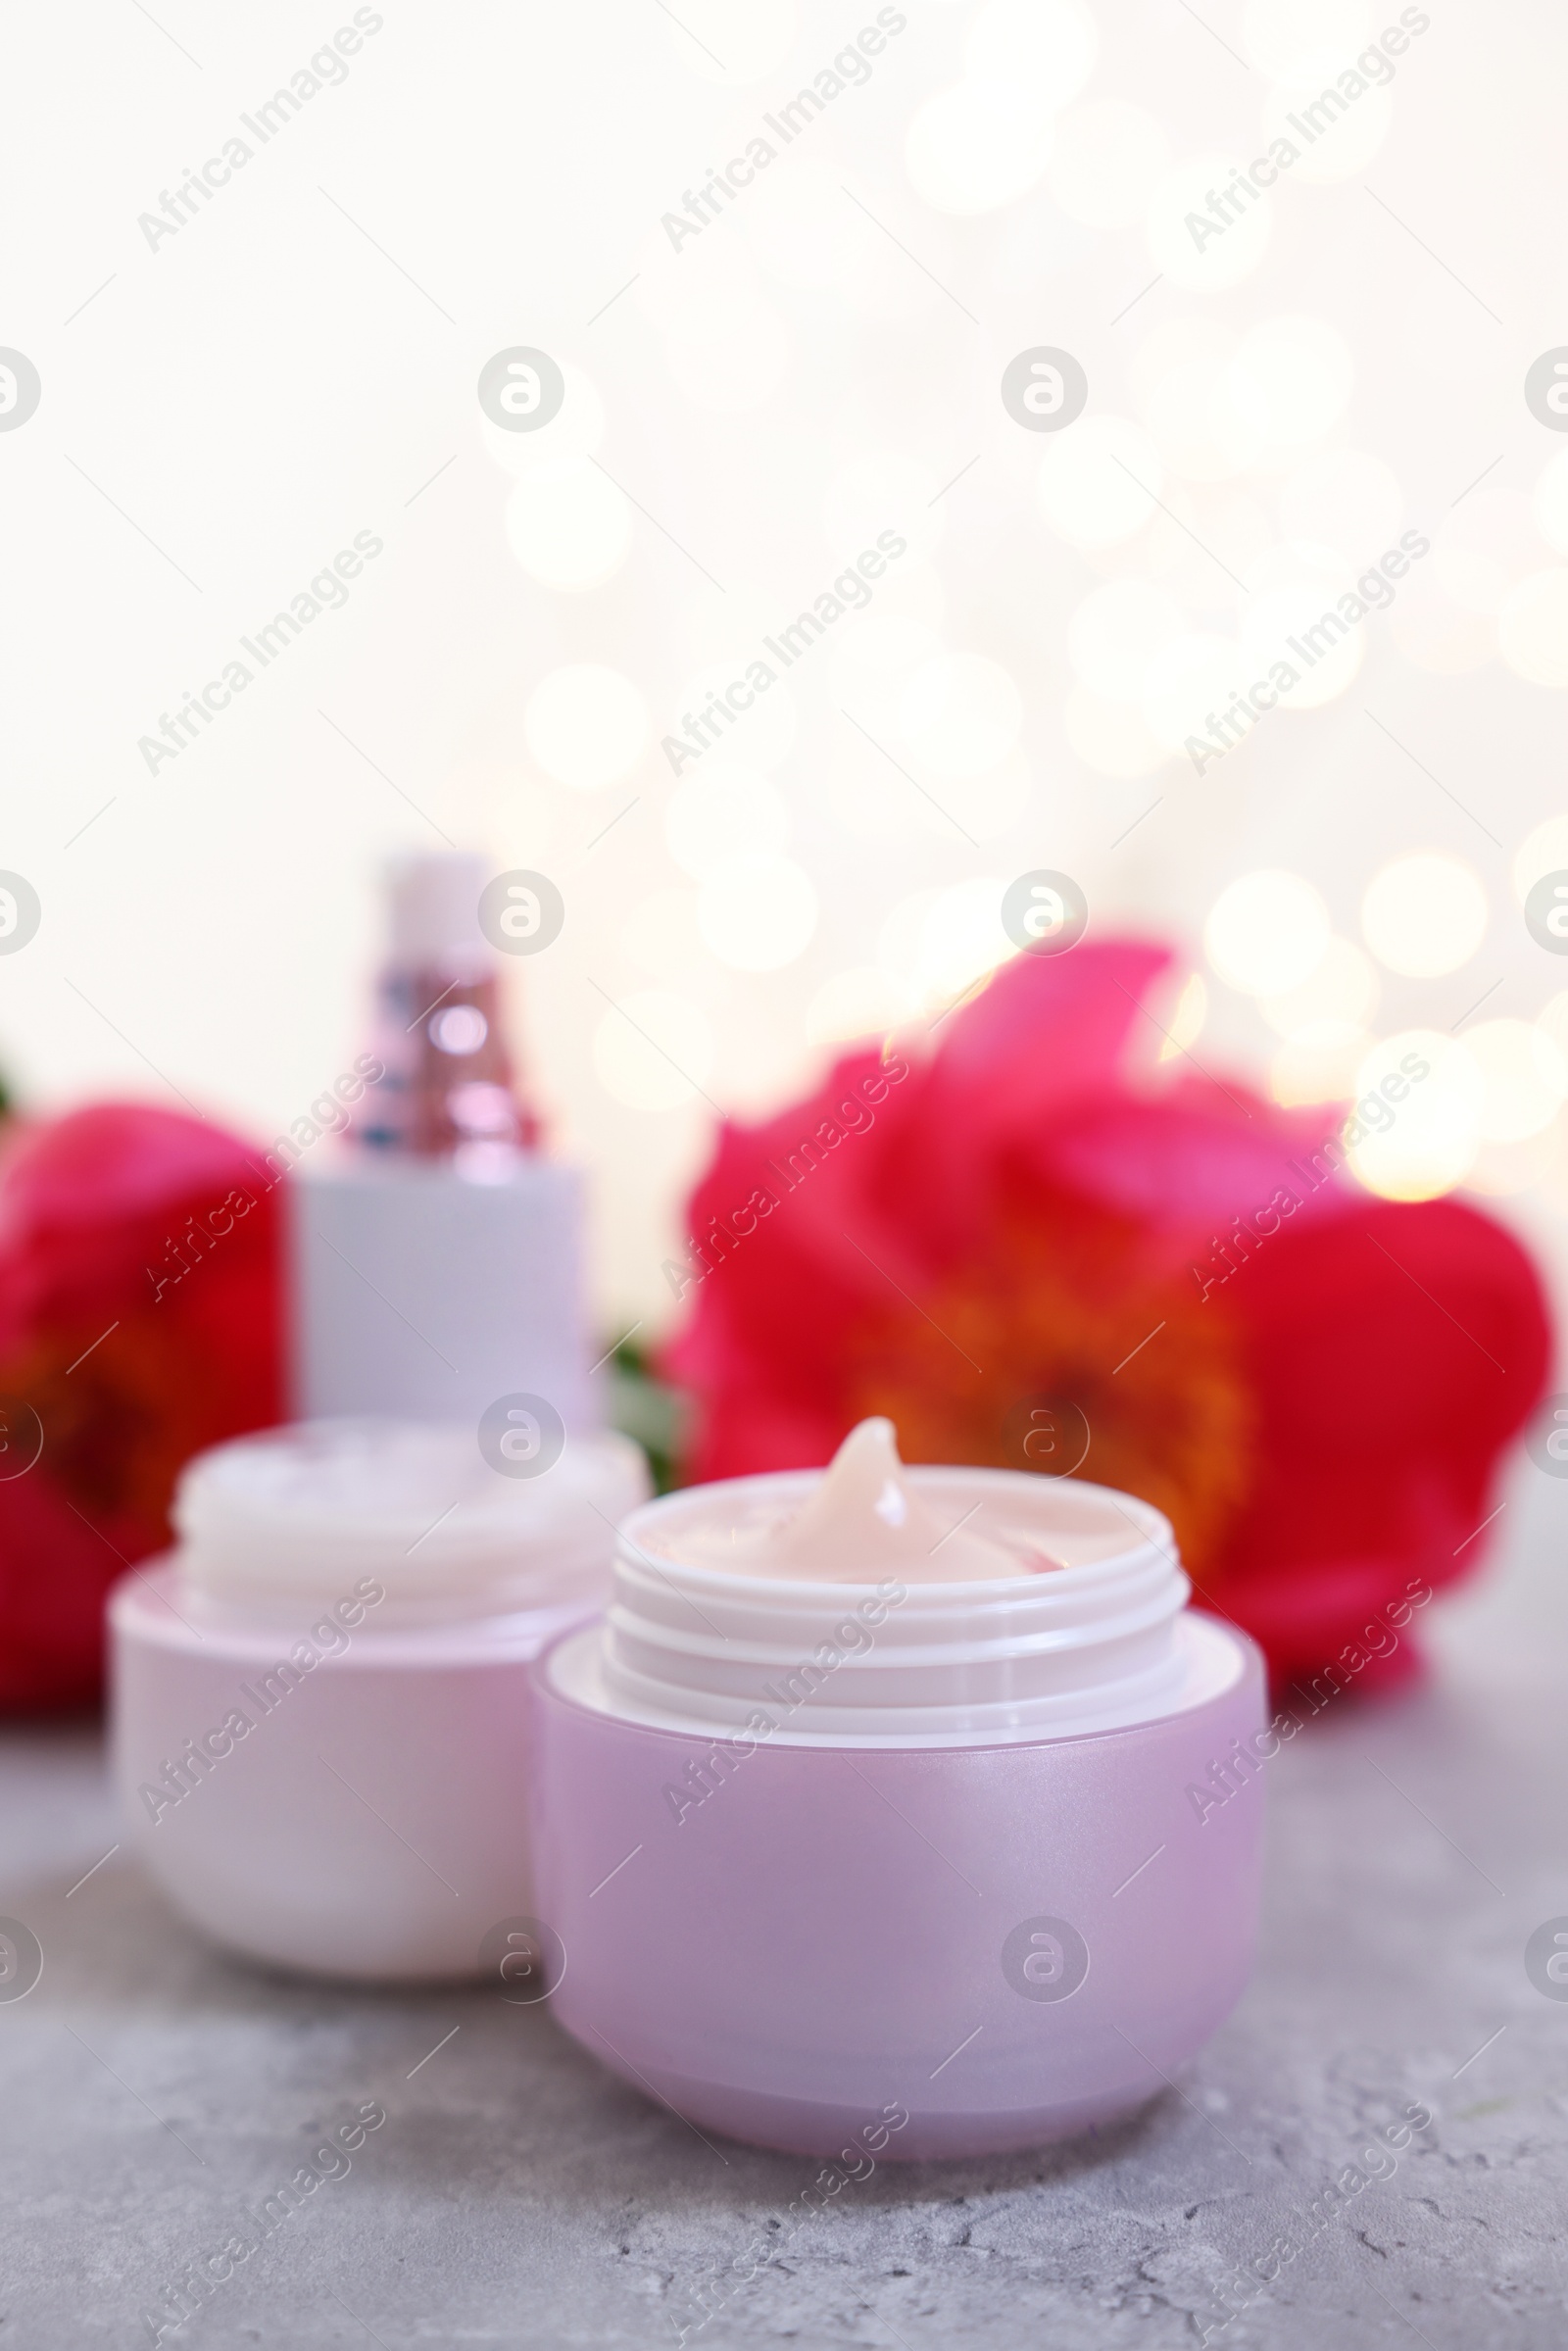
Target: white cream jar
320,1696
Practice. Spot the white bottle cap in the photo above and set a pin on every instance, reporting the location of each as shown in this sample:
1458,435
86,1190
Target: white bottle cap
434,910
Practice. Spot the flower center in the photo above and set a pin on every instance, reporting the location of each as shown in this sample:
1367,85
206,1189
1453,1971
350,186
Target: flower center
1064,1353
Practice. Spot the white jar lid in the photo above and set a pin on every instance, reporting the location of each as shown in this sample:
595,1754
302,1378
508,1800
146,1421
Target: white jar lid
301,1513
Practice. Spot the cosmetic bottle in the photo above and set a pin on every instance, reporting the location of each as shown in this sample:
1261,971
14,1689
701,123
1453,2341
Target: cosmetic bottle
436,1260
884,1791
322,1698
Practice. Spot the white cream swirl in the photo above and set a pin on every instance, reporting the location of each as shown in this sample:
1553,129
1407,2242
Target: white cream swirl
861,1521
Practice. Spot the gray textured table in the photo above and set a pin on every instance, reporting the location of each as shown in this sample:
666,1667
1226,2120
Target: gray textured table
152,2095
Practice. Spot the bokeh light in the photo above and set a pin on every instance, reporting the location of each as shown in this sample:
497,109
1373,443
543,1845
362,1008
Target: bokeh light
1192,677
1110,738
759,737
1115,633
1342,990
1504,1169
879,644
576,429
1109,153
757,910
1430,1133
719,809
862,1002
653,1050
1548,505
1486,549
658,934
726,347
525,819
1292,379
1423,914
1318,1063
1099,481
568,524
1186,1022
1304,603
936,944
1532,628
1305,42
978,144
883,490
1185,244
1346,499
1267,932
803,228
1542,852
586,725
959,714
1046,46
876,797
1193,414
1523,1074
719,43
1344,145
1436,634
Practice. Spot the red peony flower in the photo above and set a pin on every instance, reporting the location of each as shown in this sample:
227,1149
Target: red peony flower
1018,1246
139,1321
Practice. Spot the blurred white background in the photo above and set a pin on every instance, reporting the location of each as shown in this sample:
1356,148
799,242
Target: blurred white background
225,408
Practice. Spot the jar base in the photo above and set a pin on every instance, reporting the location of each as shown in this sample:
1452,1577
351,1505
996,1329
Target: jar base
808,2127
424,1961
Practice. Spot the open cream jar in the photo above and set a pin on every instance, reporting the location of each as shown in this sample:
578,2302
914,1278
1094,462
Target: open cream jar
870,1792
322,1698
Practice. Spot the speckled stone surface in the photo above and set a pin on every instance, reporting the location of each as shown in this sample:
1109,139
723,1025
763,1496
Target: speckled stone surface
153,2093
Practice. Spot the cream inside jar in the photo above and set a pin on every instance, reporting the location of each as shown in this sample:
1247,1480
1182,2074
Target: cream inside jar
867,1516
879,1603
290,1518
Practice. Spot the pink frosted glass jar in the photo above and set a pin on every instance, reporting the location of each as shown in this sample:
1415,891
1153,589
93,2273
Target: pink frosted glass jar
818,1853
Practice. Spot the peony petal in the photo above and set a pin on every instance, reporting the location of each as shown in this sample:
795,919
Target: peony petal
137,1344
1393,1349
1045,1029
1372,1359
